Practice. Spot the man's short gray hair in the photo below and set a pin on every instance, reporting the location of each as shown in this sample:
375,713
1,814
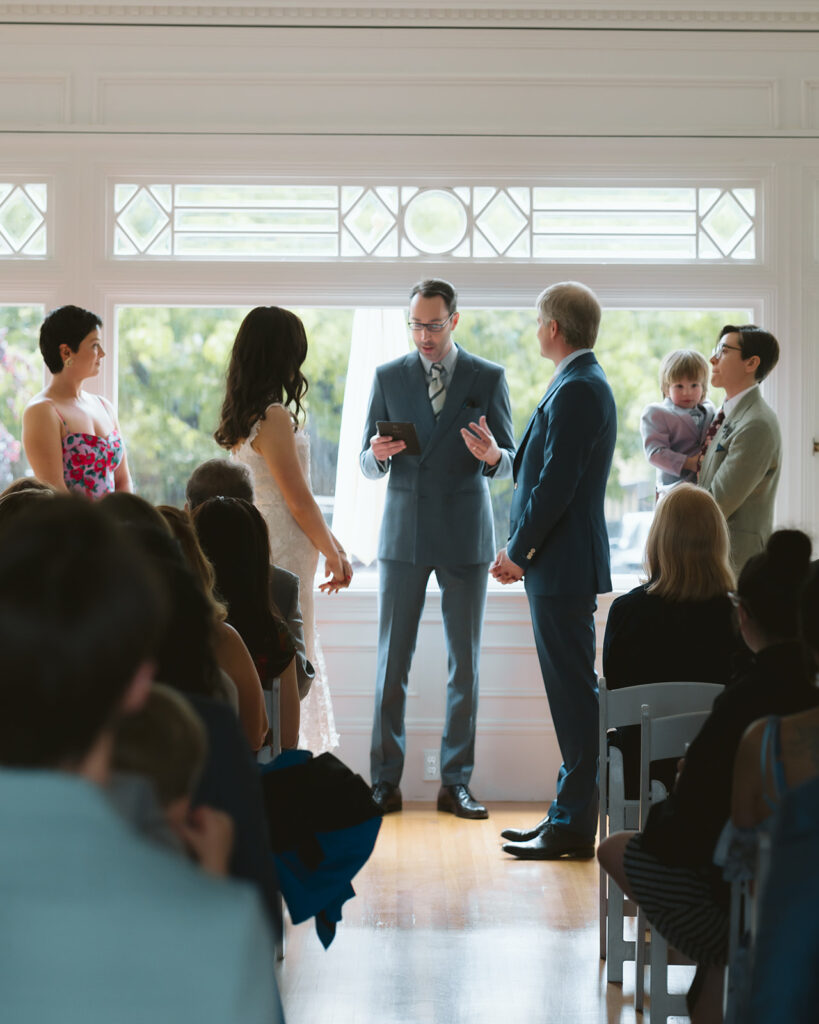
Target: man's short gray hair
575,309
219,478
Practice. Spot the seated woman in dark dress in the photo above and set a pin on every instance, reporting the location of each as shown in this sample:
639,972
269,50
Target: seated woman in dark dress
679,626
668,867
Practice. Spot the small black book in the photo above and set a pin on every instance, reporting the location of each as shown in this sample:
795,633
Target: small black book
400,432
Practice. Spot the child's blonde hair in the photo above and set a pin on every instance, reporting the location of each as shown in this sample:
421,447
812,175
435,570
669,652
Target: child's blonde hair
684,364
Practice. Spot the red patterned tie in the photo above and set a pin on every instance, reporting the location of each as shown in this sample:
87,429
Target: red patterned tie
709,437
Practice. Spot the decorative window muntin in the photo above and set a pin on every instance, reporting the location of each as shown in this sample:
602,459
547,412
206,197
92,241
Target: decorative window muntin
373,222
23,219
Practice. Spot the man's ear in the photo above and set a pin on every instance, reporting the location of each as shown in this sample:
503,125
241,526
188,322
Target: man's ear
138,689
752,362
455,318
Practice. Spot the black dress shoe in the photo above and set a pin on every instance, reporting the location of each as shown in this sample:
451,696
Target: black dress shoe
553,843
459,801
523,835
387,796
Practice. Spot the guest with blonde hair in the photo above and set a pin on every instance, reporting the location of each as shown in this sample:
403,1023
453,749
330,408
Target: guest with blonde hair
679,624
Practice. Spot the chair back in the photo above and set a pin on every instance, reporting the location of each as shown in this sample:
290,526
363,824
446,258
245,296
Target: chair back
663,736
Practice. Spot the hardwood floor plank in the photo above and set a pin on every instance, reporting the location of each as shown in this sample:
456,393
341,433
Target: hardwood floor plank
447,929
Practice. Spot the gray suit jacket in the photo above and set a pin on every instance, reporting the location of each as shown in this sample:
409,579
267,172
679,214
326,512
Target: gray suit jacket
99,925
438,510
284,589
741,469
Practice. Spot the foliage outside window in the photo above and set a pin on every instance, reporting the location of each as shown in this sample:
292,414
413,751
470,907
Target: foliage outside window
22,377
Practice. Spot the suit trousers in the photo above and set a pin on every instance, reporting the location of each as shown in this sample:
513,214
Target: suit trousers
565,640
402,591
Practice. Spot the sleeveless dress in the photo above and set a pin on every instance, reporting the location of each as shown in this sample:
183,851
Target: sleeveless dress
292,549
90,461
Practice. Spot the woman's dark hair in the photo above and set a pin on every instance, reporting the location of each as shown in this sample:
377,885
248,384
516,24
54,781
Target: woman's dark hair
130,510
810,610
184,650
268,352
79,613
770,584
67,325
234,537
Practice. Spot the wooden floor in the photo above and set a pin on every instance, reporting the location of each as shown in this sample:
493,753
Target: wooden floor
446,928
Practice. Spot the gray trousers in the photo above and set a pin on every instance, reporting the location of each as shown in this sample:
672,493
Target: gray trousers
402,592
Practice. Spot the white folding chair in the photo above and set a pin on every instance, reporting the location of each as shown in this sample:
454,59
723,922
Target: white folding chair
660,737
620,708
272,700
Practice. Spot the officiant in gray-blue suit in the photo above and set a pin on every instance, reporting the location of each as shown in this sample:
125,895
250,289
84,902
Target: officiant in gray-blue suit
437,518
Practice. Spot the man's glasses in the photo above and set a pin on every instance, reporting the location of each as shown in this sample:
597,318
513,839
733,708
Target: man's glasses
722,347
434,328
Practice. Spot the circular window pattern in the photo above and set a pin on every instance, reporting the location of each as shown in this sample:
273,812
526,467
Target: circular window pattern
435,221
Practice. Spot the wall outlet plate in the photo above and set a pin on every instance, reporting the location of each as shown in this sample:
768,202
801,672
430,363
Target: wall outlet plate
432,765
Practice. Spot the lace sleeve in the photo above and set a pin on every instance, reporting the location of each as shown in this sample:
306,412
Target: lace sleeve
254,430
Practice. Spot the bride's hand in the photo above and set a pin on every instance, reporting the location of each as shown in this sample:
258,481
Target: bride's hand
341,573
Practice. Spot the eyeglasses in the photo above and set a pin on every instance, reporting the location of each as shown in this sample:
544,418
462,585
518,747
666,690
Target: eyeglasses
722,348
434,328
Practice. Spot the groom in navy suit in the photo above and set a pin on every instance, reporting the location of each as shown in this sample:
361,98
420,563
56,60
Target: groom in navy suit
437,518
559,545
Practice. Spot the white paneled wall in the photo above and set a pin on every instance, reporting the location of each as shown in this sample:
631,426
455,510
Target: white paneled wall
467,92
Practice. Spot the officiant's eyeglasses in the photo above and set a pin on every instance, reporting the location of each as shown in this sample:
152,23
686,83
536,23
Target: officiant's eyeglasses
722,347
433,328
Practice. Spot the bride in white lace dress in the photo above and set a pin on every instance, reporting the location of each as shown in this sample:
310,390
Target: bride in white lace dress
260,426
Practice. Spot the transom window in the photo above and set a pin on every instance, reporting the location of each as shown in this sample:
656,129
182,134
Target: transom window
23,227
375,222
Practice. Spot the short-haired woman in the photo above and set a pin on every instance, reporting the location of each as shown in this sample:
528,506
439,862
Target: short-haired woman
71,437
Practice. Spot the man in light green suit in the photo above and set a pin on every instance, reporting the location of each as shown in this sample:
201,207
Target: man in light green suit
98,925
742,463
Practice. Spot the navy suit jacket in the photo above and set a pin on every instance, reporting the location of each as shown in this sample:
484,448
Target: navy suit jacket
558,527
438,509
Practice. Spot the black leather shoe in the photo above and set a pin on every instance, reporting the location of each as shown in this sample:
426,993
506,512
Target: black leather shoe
387,796
553,843
523,835
459,801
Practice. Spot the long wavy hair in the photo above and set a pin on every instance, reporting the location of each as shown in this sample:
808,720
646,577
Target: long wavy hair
687,551
265,367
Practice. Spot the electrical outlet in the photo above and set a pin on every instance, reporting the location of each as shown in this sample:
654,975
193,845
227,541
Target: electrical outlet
432,765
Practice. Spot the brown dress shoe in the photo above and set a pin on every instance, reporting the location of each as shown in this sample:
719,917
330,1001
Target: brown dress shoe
387,797
553,843
459,801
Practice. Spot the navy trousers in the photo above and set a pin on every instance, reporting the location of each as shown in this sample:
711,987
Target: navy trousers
402,590
564,637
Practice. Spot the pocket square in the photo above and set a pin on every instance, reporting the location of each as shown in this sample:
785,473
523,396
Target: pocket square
721,448
470,403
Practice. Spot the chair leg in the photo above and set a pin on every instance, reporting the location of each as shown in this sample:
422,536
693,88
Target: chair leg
664,1004
640,964
280,939
618,949
603,911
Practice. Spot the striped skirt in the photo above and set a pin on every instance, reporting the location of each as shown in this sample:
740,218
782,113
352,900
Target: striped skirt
682,903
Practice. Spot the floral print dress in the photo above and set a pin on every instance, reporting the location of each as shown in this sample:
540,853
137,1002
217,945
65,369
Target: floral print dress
90,461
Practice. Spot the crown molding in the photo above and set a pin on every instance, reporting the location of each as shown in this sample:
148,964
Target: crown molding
728,15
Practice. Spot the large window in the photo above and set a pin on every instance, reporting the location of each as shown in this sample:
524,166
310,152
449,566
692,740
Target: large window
22,377
172,363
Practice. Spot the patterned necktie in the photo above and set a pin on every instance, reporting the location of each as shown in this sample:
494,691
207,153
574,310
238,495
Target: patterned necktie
437,388
709,437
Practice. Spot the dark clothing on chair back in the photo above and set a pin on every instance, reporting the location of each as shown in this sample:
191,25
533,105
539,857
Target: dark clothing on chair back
650,639
683,830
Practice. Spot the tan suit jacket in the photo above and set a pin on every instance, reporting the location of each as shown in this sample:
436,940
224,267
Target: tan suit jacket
741,469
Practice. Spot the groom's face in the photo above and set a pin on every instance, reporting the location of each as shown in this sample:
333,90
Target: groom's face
428,314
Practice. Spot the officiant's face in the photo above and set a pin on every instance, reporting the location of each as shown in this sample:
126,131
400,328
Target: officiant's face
433,328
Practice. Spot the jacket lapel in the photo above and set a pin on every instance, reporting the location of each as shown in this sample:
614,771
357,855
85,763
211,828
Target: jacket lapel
456,393
415,388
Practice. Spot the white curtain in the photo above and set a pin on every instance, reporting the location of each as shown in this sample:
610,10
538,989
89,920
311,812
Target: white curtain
378,336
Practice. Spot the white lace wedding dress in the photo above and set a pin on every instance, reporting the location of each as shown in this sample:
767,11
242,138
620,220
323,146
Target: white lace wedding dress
291,549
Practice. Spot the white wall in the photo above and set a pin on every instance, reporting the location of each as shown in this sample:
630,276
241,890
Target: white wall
554,101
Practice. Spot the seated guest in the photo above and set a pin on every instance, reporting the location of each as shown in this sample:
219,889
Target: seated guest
71,436
229,649
228,479
679,626
158,757
104,926
184,659
18,503
27,483
668,867
233,536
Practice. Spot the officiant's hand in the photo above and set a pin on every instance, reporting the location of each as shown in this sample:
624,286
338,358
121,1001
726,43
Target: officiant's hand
384,447
504,569
480,440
